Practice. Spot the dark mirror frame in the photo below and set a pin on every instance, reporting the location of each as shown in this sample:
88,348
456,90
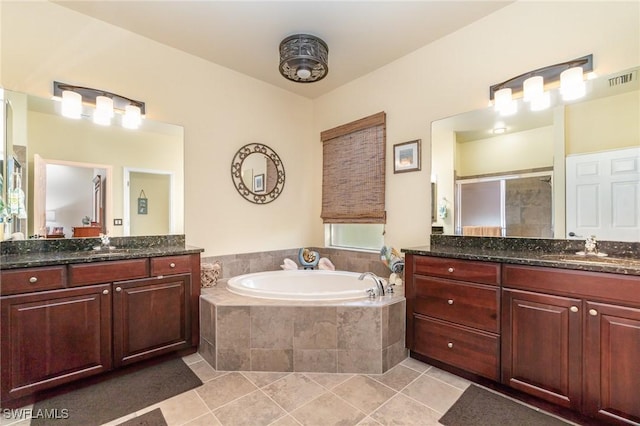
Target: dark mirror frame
236,174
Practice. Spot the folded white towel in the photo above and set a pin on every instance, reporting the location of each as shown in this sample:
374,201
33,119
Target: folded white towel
326,264
289,264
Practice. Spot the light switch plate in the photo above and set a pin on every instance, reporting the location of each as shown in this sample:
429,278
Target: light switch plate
117,222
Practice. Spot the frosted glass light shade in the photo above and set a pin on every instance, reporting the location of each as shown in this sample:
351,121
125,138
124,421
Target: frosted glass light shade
104,111
533,88
71,104
132,117
504,104
572,84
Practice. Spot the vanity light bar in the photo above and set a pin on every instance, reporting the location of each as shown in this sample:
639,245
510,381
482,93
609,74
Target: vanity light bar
105,102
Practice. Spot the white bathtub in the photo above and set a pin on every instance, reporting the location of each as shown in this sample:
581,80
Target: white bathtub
301,285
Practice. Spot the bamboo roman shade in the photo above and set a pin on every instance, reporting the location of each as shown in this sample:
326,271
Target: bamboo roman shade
353,171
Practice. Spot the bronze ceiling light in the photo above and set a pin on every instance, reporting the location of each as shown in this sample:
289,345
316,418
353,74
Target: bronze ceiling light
304,58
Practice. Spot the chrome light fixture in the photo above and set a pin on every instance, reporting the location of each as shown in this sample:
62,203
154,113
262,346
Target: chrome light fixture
304,58
106,104
532,84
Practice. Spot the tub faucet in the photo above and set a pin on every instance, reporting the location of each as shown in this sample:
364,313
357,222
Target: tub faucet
378,281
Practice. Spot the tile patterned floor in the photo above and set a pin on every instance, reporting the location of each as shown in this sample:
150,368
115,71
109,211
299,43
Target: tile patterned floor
412,393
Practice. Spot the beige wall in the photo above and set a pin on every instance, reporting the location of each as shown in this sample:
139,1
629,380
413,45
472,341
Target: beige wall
453,75
222,110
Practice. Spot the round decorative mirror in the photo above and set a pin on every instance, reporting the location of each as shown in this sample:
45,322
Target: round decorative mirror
257,173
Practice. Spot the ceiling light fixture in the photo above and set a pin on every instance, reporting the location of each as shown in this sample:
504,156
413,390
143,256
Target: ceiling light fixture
304,58
532,84
106,104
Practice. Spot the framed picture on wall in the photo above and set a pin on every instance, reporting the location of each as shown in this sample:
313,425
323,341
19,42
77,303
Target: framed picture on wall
258,183
406,156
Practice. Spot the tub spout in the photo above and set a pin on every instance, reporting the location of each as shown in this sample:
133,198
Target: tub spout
379,284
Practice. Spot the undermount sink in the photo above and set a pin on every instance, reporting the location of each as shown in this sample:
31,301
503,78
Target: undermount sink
581,258
110,250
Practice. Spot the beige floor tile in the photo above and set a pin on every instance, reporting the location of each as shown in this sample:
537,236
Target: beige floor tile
254,409
285,421
329,380
263,378
204,371
206,420
401,410
224,389
328,410
180,408
368,421
364,393
111,423
293,391
193,358
414,364
449,378
13,416
397,378
433,393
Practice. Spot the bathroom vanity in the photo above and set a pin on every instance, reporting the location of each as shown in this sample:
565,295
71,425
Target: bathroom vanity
561,328
67,315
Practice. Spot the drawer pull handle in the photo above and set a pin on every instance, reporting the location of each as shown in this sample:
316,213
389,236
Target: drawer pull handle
118,289
450,345
33,280
573,309
105,291
593,312
172,265
450,301
450,270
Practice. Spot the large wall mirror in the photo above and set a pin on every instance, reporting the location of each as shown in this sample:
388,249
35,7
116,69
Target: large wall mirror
78,179
257,173
570,171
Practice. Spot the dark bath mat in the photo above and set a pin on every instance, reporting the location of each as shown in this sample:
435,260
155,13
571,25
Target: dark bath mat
152,418
480,407
117,396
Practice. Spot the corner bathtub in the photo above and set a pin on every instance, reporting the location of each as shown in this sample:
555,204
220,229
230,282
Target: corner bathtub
301,285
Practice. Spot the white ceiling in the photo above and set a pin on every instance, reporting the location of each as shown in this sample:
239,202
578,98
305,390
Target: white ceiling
245,35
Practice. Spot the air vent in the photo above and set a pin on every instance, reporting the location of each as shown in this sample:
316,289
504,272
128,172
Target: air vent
621,79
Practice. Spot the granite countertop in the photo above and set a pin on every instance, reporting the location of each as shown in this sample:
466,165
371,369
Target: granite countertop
627,265
24,260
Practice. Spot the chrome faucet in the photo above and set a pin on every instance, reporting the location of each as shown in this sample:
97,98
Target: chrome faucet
591,245
375,278
104,240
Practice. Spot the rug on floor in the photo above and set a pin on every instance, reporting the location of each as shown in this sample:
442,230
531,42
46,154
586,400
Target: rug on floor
151,418
117,396
480,407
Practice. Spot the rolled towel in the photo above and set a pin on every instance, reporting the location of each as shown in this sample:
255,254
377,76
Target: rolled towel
289,264
326,264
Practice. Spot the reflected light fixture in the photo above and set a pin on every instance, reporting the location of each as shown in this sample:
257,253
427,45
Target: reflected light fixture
569,74
304,58
105,103
504,102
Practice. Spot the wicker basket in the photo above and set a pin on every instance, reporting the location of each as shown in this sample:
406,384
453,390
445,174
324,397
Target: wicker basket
209,273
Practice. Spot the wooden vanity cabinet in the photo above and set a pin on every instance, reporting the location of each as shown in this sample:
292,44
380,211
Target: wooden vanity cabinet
54,337
453,312
102,315
573,338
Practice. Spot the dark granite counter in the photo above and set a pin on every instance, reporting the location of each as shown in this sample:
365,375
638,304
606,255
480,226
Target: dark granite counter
623,258
30,253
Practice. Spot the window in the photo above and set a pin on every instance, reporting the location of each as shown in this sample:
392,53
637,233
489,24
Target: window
353,183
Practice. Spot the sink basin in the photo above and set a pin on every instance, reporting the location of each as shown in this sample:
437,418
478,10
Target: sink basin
110,250
577,258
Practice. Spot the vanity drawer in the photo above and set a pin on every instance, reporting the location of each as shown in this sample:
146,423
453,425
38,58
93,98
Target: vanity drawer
33,279
473,305
474,351
169,265
105,272
458,269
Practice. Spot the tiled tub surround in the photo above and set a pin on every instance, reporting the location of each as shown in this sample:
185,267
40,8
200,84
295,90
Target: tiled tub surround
251,334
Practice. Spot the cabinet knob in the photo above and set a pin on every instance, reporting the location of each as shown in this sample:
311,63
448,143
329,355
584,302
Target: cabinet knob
33,280
593,312
118,289
450,345
450,270
450,301
105,291
172,265
573,309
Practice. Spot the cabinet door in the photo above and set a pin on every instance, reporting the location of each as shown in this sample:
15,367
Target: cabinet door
542,346
151,316
54,337
612,362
